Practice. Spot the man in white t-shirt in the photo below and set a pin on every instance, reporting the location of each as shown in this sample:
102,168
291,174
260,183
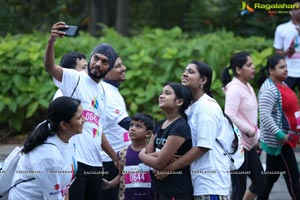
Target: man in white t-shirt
287,43
86,87
117,122
72,60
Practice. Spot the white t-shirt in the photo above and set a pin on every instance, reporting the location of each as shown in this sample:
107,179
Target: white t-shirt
52,166
286,35
92,98
57,94
210,173
115,108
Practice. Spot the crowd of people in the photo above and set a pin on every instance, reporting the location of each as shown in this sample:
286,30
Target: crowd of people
99,152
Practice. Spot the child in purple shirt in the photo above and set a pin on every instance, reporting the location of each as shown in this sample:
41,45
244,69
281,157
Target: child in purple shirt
135,179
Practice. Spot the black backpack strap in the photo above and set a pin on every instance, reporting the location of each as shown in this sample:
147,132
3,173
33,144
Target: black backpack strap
225,151
75,86
17,183
50,143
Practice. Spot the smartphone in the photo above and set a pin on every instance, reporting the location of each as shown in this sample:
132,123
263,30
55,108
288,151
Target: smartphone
72,31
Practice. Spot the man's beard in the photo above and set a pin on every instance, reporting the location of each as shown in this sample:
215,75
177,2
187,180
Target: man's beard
96,76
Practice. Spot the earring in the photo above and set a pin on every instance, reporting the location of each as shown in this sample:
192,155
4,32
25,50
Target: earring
201,86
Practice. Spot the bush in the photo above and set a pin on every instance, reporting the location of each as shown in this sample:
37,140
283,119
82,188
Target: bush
151,58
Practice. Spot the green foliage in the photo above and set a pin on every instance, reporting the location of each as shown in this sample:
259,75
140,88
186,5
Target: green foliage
197,16
152,58
25,16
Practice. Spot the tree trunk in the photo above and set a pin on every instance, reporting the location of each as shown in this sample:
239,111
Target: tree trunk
98,14
122,19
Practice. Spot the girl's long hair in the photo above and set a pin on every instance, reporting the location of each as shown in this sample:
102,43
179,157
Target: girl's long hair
60,109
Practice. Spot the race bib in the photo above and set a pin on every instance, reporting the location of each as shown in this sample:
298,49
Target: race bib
137,176
126,136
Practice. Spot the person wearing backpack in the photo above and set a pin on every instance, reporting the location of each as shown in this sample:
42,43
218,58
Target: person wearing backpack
47,157
241,106
280,125
72,60
87,88
210,167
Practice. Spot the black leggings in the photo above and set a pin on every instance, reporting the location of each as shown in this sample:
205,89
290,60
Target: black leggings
88,183
253,168
286,164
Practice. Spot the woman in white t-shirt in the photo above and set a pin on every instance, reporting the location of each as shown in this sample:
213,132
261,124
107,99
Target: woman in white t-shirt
209,167
47,157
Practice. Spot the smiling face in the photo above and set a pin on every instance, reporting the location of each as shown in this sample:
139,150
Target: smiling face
118,72
98,67
191,77
76,123
167,99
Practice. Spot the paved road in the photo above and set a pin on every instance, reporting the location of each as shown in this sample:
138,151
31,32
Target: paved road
279,191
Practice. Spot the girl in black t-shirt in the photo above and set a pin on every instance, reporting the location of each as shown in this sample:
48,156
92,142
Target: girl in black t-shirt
172,137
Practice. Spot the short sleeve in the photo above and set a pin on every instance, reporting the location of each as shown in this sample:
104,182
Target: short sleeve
278,42
69,81
181,128
207,132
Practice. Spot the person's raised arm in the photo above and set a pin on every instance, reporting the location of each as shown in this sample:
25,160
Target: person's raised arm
54,70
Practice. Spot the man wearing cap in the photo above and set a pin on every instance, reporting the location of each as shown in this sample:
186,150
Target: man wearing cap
86,87
72,60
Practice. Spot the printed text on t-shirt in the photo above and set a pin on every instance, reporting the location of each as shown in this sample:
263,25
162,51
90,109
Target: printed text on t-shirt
90,117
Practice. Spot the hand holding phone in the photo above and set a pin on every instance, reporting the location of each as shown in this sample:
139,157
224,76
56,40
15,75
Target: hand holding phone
71,31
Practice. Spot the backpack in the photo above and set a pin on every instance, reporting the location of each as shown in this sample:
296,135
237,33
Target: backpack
7,172
231,143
